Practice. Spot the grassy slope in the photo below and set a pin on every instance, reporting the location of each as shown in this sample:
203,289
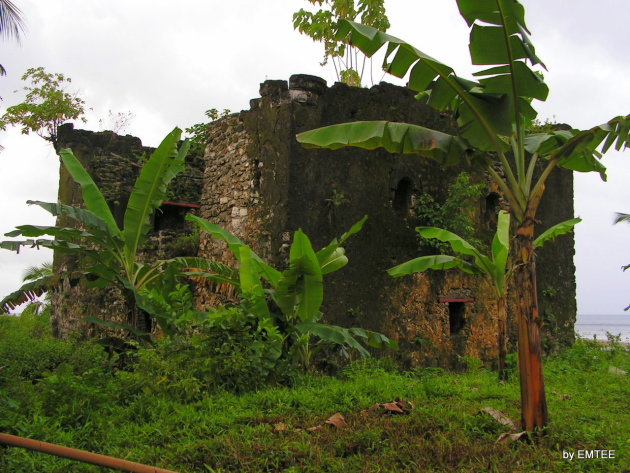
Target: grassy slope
65,393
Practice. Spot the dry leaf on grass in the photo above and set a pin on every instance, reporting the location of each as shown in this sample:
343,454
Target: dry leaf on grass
395,407
280,428
508,437
500,417
337,420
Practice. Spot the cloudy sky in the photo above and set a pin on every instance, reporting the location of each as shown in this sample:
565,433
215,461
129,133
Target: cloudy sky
167,63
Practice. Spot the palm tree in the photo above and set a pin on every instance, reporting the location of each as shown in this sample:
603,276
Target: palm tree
11,24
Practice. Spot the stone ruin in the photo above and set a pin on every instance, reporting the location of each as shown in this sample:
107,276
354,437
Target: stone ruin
257,181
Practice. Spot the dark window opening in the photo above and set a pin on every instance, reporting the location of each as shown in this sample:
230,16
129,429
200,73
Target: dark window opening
170,218
456,319
402,197
492,209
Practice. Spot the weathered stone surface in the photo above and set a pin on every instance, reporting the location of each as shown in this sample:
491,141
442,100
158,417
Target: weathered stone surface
114,163
283,187
260,184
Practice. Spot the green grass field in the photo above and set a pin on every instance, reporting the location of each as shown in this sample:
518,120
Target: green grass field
161,412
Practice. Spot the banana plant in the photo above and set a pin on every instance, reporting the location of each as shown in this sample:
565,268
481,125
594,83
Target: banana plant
297,292
108,252
493,115
495,268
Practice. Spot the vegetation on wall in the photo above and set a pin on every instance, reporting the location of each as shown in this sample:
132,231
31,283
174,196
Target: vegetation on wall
456,213
321,25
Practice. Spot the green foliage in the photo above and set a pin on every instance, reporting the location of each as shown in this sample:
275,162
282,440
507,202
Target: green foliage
38,282
167,411
297,292
199,132
109,253
322,24
46,106
11,25
455,214
494,267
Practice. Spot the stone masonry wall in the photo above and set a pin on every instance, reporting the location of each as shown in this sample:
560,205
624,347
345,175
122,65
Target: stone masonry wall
114,163
262,185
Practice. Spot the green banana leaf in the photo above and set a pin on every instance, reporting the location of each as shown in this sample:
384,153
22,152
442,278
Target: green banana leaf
555,231
300,290
394,137
481,116
334,334
459,245
436,262
28,292
500,250
332,257
234,244
250,282
150,189
89,219
94,200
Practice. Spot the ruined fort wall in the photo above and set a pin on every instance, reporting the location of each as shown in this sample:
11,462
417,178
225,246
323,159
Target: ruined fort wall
259,183
282,187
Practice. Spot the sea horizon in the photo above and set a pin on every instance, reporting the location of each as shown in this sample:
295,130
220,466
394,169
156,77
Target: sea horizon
598,326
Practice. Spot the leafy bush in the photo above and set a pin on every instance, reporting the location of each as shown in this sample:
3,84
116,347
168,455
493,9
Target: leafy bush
455,214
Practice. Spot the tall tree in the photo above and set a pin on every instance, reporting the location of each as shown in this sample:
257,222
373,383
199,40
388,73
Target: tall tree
493,115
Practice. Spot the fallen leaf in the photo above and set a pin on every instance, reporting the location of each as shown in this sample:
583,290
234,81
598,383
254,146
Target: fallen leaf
337,420
508,437
500,417
280,428
392,408
615,370
313,429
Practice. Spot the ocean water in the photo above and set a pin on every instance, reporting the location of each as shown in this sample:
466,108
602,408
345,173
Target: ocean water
590,326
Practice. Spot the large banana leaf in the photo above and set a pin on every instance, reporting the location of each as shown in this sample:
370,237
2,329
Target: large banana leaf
96,224
555,231
333,257
500,251
459,245
436,262
94,200
29,292
150,189
481,116
234,244
578,150
394,137
301,287
250,282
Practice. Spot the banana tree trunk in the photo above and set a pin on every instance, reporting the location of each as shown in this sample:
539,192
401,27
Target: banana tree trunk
533,401
502,331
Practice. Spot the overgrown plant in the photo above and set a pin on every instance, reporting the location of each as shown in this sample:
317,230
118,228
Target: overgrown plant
322,24
199,132
496,267
108,252
47,105
287,303
453,214
493,115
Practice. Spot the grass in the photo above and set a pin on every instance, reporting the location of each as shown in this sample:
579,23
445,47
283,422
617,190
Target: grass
69,393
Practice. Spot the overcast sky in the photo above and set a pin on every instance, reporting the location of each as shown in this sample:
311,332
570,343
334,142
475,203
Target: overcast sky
168,63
